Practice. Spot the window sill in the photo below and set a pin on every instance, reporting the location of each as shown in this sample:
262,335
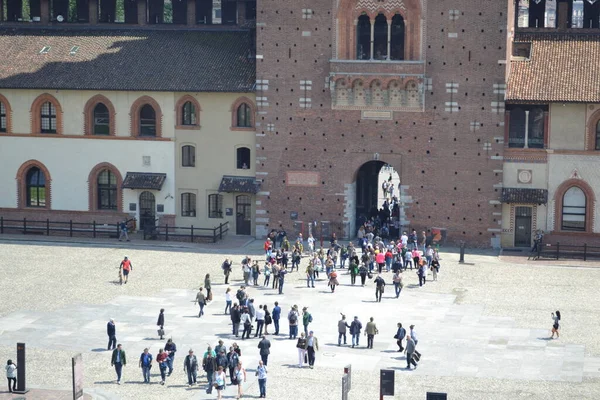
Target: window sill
188,127
240,128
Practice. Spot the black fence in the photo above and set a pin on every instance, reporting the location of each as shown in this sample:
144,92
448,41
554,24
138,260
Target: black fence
567,251
188,233
47,227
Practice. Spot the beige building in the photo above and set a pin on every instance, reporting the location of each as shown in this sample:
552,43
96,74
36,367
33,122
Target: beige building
95,127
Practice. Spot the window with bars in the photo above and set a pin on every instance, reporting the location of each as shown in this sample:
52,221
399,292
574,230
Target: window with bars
188,156
48,118
36,188
3,123
107,190
188,115
215,206
101,120
574,210
244,116
188,205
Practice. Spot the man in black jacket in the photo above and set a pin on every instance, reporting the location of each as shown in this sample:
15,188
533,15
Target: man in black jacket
111,331
235,319
190,365
264,345
118,360
379,287
209,364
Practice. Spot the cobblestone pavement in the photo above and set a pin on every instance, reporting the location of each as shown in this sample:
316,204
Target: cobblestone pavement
483,328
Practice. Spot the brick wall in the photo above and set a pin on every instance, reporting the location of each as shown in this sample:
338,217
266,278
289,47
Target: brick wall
448,161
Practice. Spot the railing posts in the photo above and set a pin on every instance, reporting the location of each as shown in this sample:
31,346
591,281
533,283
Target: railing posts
220,231
585,252
557,250
71,228
47,226
192,233
94,228
214,234
24,225
166,232
1,224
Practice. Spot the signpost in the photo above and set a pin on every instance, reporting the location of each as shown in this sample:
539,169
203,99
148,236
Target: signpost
77,363
348,370
21,368
386,383
345,387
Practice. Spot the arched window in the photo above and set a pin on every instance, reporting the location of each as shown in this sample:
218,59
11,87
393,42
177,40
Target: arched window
597,141
363,38
3,117
107,190
188,156
574,210
516,132
48,118
147,121
188,205
36,188
244,116
243,158
188,114
101,120
397,39
380,38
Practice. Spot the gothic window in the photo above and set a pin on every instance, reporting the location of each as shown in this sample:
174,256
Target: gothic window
397,39
188,115
101,120
3,118
380,35
36,187
107,190
48,117
244,116
363,38
574,210
147,121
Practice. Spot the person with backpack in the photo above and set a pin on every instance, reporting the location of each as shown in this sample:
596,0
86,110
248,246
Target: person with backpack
293,321
333,281
241,296
190,365
306,319
556,324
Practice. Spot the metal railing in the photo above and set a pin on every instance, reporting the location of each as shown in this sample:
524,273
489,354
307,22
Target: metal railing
166,232
567,251
46,227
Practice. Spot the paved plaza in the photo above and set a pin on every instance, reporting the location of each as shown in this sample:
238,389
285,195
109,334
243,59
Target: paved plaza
483,329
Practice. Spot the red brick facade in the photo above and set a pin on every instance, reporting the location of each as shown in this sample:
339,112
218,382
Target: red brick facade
449,157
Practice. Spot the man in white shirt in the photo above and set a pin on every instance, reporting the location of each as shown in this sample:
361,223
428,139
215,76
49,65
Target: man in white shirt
413,335
260,321
404,239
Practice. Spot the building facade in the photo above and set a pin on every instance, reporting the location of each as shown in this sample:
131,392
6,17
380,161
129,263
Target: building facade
345,87
552,137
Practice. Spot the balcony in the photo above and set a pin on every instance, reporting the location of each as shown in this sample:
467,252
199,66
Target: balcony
377,85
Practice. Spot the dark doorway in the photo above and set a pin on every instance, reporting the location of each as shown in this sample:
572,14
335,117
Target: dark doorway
367,186
147,211
243,212
522,226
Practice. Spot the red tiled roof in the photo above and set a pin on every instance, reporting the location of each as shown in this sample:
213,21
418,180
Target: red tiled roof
561,68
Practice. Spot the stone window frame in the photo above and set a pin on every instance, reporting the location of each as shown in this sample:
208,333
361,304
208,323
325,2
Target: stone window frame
8,111
88,113
179,112
36,114
590,140
134,117
22,185
93,187
234,120
191,158
589,205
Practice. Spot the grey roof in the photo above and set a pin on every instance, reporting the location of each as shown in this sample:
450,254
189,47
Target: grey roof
127,59
239,184
144,180
524,195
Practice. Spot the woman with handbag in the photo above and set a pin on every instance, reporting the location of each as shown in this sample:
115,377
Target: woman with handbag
268,319
161,323
301,346
240,377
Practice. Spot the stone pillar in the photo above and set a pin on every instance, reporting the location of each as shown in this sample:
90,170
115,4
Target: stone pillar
142,12
372,47
93,12
526,145
191,12
45,11
389,40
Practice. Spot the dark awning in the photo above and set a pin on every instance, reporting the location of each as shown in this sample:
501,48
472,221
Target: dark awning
527,196
144,180
239,184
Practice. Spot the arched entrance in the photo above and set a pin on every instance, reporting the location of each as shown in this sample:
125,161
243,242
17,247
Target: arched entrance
147,211
377,183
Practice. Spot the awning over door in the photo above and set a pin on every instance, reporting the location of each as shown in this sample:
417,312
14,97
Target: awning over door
524,196
144,180
239,184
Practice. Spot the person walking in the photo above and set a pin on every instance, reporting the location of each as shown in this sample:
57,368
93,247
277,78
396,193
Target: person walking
312,346
240,378
220,377
123,231
268,319
301,346
163,364
161,323
422,272
221,359
190,366
228,300
370,331
201,301
282,273
264,345
247,323
379,287
333,281
276,317
11,375
171,349
400,335
410,352
556,324
380,260
146,364
353,268
267,274
306,319
118,360
355,328
209,365
111,331
413,335
125,268
207,286
398,284
236,317
293,321
261,373
260,321
232,361
342,325
363,271
226,267
310,274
